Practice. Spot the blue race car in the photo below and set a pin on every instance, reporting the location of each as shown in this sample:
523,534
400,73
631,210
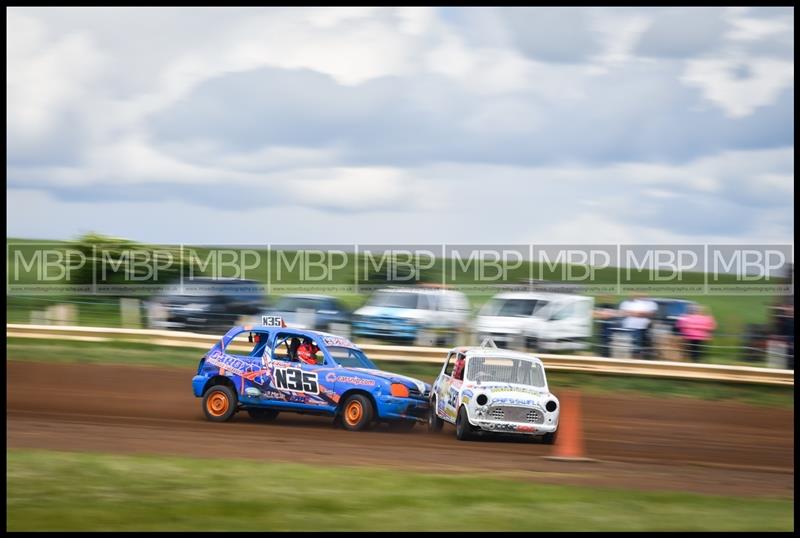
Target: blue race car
304,371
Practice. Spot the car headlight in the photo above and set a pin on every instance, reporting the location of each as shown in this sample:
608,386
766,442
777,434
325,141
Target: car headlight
482,399
399,390
551,406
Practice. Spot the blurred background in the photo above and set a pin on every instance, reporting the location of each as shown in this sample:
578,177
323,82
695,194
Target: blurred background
188,169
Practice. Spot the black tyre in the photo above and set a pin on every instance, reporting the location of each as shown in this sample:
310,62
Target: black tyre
357,413
464,430
550,438
434,422
263,415
219,403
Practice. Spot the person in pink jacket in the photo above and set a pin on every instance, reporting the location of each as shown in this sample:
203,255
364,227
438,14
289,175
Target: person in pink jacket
696,328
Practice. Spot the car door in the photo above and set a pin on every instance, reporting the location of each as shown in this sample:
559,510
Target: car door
455,383
441,387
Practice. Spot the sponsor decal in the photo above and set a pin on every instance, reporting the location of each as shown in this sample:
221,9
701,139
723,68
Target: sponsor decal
229,363
516,389
330,377
355,380
338,341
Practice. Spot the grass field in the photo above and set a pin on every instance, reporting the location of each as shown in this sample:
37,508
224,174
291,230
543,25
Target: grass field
78,491
147,354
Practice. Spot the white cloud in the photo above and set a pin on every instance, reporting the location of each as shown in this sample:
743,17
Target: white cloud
614,126
740,96
44,76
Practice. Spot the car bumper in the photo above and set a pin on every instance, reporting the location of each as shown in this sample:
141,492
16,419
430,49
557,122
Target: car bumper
198,382
382,330
392,408
514,427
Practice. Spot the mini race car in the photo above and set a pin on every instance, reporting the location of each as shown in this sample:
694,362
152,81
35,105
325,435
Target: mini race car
486,389
340,381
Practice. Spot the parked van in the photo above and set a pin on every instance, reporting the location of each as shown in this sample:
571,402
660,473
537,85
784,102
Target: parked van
422,316
536,320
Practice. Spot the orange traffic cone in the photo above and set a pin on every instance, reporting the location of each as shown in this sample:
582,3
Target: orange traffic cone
569,445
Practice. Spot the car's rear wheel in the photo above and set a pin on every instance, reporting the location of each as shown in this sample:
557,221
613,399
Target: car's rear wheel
219,403
434,422
263,415
463,427
357,412
550,438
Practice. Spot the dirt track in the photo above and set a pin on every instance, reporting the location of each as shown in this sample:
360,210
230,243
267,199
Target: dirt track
642,442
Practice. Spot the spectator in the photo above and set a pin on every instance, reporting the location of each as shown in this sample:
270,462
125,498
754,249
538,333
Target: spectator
696,327
784,327
607,317
638,311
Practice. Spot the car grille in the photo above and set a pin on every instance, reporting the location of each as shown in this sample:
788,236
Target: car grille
415,393
517,414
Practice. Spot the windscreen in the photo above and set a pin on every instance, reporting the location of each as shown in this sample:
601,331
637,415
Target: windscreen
505,370
518,308
292,304
352,358
394,300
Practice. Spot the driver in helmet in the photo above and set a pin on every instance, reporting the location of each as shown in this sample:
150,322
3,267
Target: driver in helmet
458,369
307,351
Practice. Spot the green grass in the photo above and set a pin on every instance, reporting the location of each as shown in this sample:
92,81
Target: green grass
76,491
130,353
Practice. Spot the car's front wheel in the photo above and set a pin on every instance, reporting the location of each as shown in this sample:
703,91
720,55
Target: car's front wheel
219,403
463,427
434,422
357,412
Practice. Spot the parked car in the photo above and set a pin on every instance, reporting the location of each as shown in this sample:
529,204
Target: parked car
318,312
420,315
274,376
483,389
536,320
206,305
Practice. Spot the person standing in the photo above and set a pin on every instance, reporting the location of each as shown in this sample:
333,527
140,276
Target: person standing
696,327
607,318
639,312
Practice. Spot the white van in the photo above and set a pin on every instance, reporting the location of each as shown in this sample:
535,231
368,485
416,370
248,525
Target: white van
536,320
416,315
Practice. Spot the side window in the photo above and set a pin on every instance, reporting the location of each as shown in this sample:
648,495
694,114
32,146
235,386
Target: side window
445,302
564,312
458,370
285,347
425,302
448,369
248,344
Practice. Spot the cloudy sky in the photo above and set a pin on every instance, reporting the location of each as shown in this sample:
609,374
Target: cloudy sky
470,125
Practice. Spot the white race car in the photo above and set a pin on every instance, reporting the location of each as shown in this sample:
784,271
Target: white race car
493,390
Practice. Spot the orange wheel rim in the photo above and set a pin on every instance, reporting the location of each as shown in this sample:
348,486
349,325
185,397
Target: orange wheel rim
217,404
354,412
